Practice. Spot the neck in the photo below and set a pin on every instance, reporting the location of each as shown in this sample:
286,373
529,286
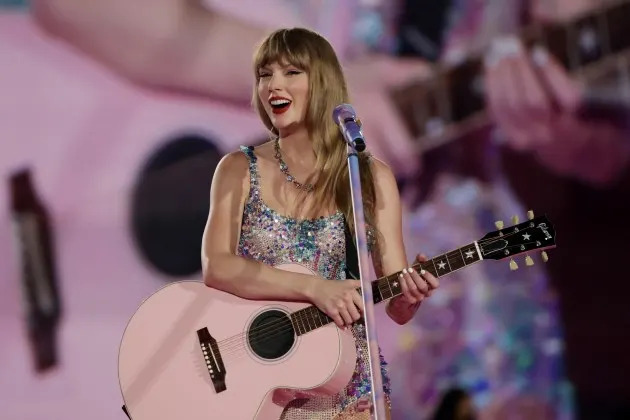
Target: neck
297,147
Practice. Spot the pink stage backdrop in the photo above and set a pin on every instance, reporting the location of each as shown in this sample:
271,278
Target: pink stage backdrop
86,133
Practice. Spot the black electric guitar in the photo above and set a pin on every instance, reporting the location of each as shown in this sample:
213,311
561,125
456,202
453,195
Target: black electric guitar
595,46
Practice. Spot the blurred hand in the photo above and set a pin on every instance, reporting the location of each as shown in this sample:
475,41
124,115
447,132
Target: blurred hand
416,286
340,300
561,10
535,105
370,80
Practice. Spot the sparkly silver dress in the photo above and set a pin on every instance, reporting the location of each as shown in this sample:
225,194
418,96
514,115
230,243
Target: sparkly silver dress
318,244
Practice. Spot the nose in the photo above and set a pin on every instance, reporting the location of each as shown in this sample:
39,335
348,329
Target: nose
275,82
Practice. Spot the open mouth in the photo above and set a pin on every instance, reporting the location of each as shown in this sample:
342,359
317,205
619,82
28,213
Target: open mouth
279,105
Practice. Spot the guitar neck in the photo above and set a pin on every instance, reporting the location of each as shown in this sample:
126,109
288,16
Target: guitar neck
595,45
535,234
388,287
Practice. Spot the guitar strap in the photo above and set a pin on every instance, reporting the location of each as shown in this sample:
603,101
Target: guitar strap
352,259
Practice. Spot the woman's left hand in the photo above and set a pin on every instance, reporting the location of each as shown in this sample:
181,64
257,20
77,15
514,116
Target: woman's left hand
539,108
416,285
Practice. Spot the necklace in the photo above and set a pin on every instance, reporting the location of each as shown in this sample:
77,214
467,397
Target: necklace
285,170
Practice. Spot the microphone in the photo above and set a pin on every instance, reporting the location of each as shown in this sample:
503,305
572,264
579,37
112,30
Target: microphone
345,117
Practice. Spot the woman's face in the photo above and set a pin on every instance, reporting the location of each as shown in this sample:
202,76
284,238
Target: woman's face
283,92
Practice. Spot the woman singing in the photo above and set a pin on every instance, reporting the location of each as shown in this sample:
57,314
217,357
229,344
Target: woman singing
288,201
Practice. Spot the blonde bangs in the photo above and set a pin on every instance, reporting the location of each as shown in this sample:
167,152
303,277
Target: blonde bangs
284,47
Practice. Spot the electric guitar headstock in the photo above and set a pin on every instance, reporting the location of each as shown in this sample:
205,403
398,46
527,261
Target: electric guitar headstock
536,234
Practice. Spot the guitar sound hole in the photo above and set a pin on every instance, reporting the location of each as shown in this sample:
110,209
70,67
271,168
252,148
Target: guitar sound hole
271,335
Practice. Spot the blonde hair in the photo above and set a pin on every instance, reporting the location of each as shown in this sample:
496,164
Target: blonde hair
313,54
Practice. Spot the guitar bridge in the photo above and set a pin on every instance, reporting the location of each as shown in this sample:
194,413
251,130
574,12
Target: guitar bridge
213,360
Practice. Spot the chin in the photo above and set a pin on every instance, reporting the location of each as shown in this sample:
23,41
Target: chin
283,124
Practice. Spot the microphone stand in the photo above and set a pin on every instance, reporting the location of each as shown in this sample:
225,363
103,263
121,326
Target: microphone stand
378,397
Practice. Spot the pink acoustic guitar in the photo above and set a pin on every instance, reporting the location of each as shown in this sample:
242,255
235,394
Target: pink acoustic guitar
196,353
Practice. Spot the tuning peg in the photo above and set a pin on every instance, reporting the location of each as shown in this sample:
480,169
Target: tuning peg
515,220
528,261
530,214
513,265
545,258
499,224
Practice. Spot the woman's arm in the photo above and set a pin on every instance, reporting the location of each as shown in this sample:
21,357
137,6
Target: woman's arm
390,256
224,270
180,44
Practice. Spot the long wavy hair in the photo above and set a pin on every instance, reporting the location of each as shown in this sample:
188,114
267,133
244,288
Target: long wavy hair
312,53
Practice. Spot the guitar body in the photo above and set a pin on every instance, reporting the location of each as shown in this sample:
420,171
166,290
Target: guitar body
164,373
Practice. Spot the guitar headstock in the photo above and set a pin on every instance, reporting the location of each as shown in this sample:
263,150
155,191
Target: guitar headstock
537,233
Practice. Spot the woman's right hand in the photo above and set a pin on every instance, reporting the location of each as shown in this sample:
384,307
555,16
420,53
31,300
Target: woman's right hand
339,299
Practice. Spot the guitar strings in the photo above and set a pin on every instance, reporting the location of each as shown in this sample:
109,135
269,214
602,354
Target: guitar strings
282,325
268,328
286,324
273,329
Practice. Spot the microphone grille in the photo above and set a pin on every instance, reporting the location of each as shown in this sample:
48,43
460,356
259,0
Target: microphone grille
343,112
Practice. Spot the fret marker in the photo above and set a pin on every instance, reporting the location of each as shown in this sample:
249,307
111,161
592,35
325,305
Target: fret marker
395,284
469,254
588,40
441,265
526,236
434,127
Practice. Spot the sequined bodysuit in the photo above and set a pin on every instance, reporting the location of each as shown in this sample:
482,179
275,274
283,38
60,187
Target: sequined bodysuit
318,244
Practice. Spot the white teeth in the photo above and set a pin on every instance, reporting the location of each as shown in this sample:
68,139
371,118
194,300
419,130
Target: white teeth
277,102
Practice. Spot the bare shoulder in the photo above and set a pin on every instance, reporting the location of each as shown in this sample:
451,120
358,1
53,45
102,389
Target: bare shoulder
382,173
379,165
233,165
231,175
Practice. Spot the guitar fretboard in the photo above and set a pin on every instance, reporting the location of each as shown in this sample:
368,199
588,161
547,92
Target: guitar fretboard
452,102
385,288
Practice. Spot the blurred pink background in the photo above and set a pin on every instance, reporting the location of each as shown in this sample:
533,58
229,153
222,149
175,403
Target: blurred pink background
75,116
